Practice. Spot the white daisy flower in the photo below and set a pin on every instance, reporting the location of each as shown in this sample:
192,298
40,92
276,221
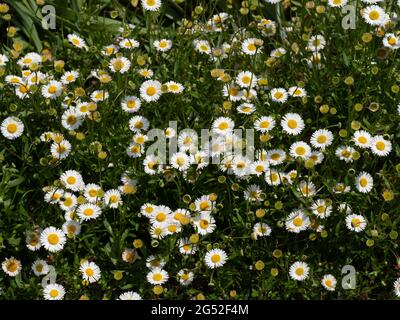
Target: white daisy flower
264,124
151,5
364,182
72,180
52,239
300,149
321,139
204,223
174,87
299,271
131,104
92,192
292,123
223,125
185,277
60,150
374,15
275,157
157,276
297,92
307,188
162,45
246,108
112,198
259,167
99,95
29,59
215,258
129,295
345,153
380,146
297,221
273,177
362,139
180,161
202,46
316,43
40,268
69,77
261,229
11,266
12,128
150,90
391,41
138,123
71,228
329,282
120,64
246,79
337,3
321,209
54,292
279,95
250,46
396,285
76,41
68,202
90,271
186,247
88,211
128,44
355,222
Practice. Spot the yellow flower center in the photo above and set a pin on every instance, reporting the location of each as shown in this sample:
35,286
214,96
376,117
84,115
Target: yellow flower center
52,89
12,265
278,95
139,125
380,145
374,15
392,41
151,91
173,87
355,222
203,224
216,258
71,180
363,182
299,271
223,126
264,124
259,168
158,276
114,199
89,272
328,283
53,293
362,140
246,80
292,124
72,119
321,139
251,47
300,151
92,193
76,41
53,239
12,128
88,212
298,221
161,216
204,206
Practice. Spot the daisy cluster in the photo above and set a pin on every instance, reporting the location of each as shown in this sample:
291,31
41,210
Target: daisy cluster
320,174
